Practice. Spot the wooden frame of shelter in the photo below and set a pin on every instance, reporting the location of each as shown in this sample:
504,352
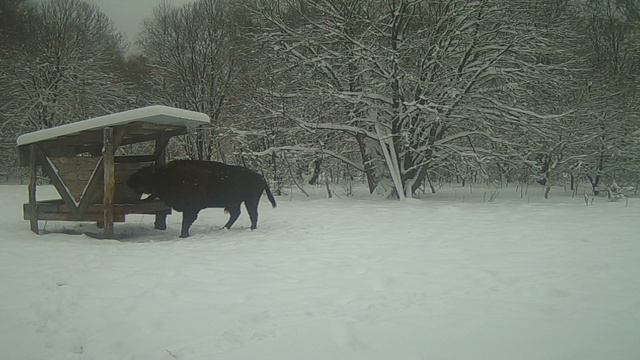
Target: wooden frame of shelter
81,162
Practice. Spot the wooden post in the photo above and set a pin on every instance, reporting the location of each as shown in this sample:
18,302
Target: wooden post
109,180
160,152
33,204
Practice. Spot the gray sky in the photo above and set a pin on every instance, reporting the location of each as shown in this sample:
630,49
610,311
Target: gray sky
128,15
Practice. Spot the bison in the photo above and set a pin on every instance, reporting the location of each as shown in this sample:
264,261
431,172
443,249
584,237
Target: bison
189,186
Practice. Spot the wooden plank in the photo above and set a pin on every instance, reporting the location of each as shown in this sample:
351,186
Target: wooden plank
141,126
69,146
56,180
134,159
75,172
76,139
144,207
90,140
117,137
33,211
160,152
109,180
51,201
75,167
71,149
42,208
135,138
141,131
92,189
58,216
24,153
59,207
123,194
110,142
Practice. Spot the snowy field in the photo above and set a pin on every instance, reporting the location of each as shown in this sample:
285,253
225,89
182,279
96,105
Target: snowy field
451,276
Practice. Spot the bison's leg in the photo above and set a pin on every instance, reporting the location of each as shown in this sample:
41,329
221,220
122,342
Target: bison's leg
252,209
234,212
161,221
188,217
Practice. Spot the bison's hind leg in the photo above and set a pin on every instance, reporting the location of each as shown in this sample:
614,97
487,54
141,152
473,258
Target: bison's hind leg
234,212
188,217
252,209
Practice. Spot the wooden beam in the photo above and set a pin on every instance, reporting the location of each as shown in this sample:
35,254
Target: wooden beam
91,141
134,159
92,188
109,180
48,207
24,152
117,137
160,152
138,138
56,180
50,213
33,211
111,140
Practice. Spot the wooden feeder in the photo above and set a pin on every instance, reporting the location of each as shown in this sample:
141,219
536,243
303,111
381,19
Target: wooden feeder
80,159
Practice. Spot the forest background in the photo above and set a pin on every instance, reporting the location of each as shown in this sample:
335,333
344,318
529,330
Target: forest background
400,96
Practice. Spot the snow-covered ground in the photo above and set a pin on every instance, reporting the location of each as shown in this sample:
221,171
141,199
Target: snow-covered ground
447,277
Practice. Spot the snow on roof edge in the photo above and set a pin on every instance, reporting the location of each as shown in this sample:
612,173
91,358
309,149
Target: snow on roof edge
187,118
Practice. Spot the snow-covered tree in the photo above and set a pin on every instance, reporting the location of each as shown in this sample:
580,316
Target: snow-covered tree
64,69
191,55
613,52
421,81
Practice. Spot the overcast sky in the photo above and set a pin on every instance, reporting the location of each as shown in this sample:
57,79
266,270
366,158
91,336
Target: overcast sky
128,15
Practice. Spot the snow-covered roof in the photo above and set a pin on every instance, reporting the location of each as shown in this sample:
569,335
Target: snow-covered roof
157,114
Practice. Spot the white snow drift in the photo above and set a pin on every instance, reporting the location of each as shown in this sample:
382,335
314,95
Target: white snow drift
439,278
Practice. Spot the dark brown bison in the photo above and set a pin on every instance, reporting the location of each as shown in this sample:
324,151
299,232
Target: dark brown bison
189,186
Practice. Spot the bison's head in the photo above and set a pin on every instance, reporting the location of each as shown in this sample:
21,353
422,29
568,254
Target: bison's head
144,181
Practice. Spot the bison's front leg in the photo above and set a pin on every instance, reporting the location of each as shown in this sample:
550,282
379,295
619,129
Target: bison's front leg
188,217
161,220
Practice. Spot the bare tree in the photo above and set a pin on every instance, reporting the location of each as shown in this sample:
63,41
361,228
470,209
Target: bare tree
613,51
190,51
423,80
65,69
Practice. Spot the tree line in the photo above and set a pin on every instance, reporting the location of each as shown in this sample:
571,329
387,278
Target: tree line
397,94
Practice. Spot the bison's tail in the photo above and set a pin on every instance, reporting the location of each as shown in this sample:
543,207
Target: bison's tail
272,200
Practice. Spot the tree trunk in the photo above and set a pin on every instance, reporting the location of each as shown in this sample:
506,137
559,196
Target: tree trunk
388,150
326,182
433,189
276,178
547,189
316,171
420,178
599,171
594,184
547,185
366,162
573,181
